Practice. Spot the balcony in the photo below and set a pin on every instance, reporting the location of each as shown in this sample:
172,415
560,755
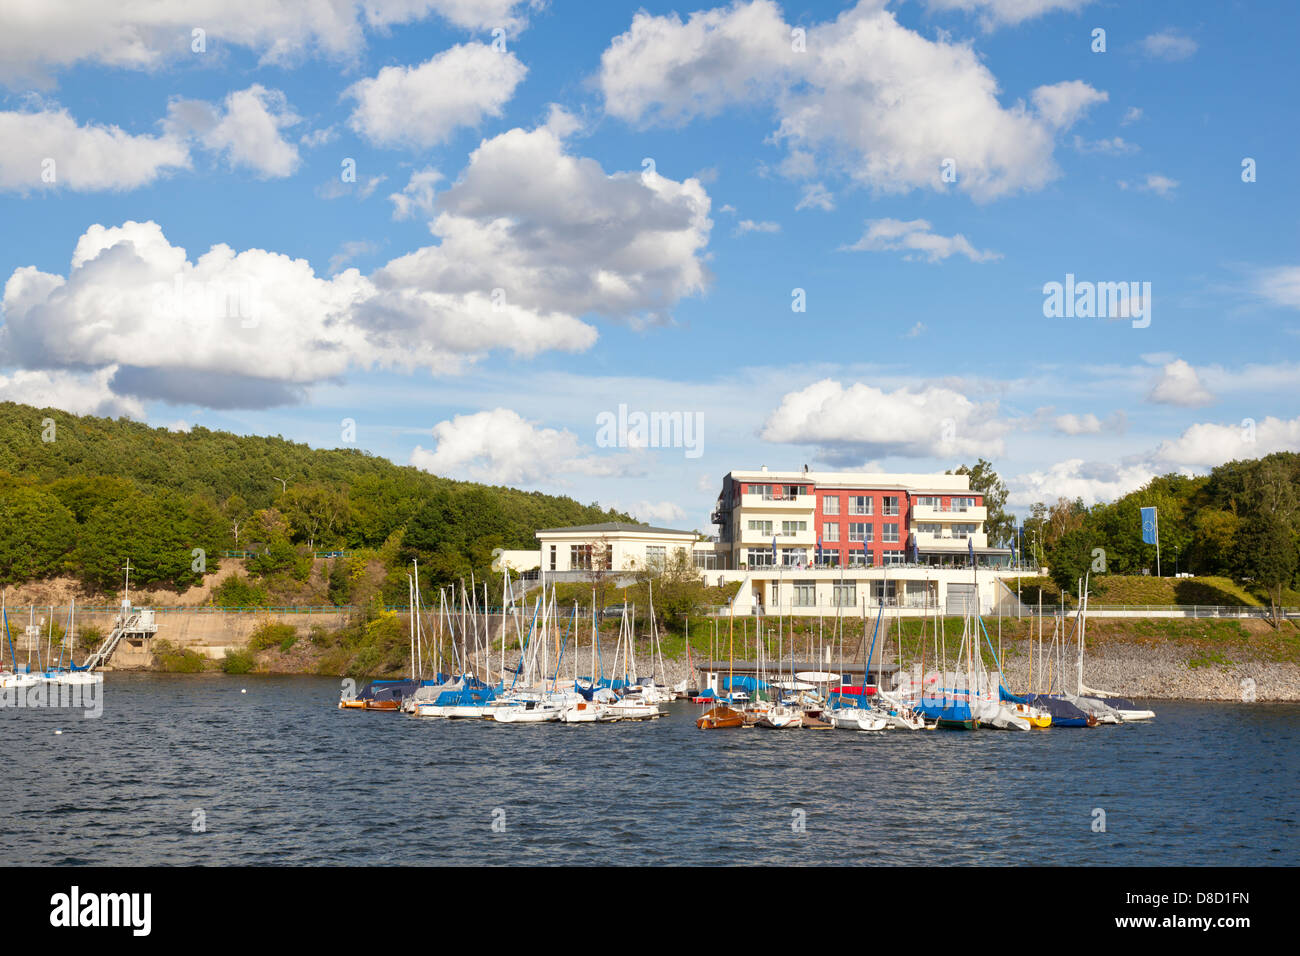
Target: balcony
805,503
950,542
977,513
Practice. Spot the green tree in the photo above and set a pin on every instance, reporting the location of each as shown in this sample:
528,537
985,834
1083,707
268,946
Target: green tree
36,533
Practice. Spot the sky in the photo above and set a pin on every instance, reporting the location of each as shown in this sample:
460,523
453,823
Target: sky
481,237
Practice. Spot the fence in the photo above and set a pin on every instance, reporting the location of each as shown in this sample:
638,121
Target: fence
314,554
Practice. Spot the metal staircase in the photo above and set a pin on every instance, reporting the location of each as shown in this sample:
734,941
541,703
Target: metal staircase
130,623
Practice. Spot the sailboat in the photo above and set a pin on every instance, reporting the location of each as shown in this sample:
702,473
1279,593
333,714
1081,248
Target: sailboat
1125,708
73,674
15,678
862,717
723,716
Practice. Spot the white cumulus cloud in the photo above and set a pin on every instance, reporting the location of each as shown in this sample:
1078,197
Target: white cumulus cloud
39,39
530,239
247,129
421,106
1178,384
49,150
867,98
500,446
850,424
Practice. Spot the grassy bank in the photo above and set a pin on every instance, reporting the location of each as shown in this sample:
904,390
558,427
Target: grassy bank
1141,590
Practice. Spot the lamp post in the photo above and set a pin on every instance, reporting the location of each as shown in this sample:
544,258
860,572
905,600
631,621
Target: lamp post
284,485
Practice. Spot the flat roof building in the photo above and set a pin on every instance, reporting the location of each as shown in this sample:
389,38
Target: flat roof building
823,519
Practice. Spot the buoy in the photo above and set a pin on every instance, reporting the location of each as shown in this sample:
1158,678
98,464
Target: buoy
243,690
58,732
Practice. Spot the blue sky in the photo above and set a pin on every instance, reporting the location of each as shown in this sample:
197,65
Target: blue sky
519,168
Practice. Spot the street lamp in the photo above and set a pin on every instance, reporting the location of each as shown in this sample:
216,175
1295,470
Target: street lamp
284,486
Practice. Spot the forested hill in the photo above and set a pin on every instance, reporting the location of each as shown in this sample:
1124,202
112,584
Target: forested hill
80,494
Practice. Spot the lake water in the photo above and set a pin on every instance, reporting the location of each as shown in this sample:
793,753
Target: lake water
281,776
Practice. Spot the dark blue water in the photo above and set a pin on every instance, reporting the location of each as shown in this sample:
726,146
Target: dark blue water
284,777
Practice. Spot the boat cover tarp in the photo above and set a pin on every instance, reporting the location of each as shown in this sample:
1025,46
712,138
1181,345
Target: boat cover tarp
428,693
1064,713
466,697
751,685
396,690
938,709
1006,695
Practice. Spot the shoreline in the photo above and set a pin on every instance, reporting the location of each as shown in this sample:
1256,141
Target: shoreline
1168,672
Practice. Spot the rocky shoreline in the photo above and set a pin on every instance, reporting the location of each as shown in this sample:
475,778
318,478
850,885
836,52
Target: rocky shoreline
1139,671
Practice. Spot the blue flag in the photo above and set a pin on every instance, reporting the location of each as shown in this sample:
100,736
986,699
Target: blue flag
1149,525
774,549
970,546
819,549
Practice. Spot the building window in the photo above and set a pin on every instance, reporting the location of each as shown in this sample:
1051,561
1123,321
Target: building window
963,530
579,557
889,505
792,556
764,490
927,501
759,557
763,527
929,528
963,504
805,595
845,595
553,557
859,504
791,528
861,531
831,532
894,557
830,505
654,555
860,559
831,559
889,532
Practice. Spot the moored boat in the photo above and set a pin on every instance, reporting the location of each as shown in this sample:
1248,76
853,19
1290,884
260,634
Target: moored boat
718,718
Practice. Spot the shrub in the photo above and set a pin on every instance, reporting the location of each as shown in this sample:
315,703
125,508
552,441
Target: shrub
237,661
269,634
175,660
238,591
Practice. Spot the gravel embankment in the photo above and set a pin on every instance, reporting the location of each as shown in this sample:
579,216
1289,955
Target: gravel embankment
1139,671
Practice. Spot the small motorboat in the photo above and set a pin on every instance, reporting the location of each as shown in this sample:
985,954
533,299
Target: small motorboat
1036,718
583,712
855,718
629,708
527,712
780,718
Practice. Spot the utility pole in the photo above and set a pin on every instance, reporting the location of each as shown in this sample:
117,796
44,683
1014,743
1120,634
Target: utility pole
126,598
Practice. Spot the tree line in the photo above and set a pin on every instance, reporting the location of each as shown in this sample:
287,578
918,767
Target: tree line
80,494
1242,520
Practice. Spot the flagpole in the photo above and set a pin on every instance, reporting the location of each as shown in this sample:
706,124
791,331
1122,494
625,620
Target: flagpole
1156,512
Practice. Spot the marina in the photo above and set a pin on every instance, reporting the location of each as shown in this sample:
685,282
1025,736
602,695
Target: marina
284,780
967,693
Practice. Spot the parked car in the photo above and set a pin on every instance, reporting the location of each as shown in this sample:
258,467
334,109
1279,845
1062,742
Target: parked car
614,610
